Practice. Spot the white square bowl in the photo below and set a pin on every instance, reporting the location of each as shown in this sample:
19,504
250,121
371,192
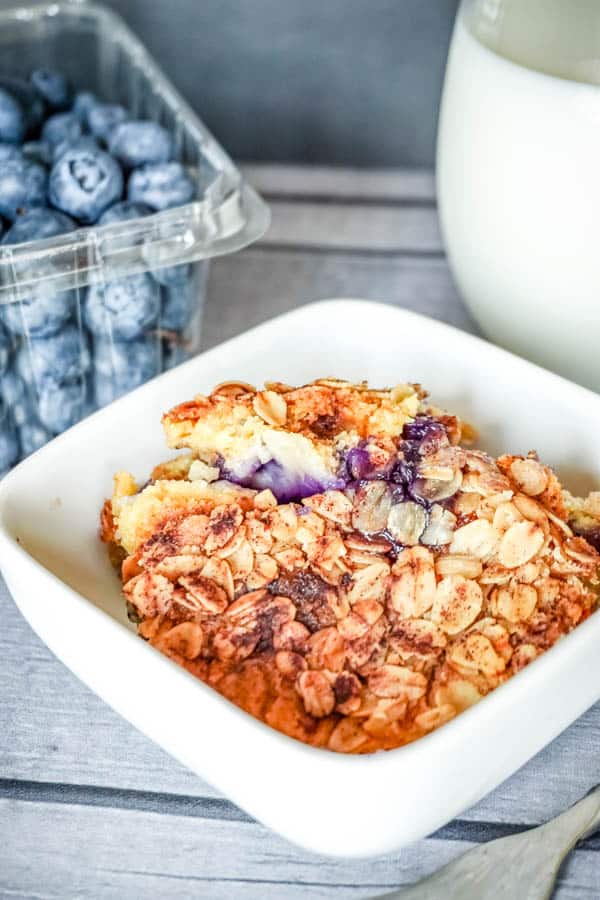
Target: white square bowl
61,580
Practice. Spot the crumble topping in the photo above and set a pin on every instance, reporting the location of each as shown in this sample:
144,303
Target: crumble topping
361,616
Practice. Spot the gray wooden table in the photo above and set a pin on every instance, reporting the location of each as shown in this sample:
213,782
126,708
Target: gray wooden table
88,807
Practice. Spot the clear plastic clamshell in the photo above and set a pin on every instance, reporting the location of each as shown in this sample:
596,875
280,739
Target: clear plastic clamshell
169,249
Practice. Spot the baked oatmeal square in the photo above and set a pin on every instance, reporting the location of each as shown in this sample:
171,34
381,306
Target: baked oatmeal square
342,564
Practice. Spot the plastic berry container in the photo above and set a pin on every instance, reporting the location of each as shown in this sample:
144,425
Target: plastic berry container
64,356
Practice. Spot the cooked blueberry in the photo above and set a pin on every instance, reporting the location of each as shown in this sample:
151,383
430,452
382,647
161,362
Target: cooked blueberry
404,473
161,185
82,104
63,357
9,444
12,118
52,87
85,142
120,367
10,151
425,432
123,212
286,484
173,276
592,535
61,128
84,183
61,405
177,308
38,224
32,436
103,118
136,143
5,348
358,464
22,186
123,309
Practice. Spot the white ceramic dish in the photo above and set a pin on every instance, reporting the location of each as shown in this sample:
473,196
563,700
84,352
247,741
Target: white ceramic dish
61,580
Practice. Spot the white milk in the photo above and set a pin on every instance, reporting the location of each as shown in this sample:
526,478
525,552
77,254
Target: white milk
519,195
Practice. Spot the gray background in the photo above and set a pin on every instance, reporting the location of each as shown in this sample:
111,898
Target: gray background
344,82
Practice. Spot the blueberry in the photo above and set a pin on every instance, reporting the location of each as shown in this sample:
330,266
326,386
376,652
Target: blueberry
82,104
136,143
84,183
5,348
9,444
22,186
41,314
122,366
103,118
177,308
61,405
23,366
161,185
106,389
38,224
10,151
422,436
52,87
32,436
61,127
358,464
123,212
85,142
63,357
12,118
37,151
13,390
123,309
34,108
44,310
173,276
19,399
24,410
173,355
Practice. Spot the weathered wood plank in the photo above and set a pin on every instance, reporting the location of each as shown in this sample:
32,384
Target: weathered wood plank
257,284
53,729
106,853
322,181
411,229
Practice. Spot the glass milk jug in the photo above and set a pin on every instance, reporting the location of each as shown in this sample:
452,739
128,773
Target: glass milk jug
518,169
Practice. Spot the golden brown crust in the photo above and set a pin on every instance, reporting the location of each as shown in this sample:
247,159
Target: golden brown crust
330,637
319,411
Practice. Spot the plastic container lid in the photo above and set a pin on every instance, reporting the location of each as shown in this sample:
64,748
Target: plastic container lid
227,215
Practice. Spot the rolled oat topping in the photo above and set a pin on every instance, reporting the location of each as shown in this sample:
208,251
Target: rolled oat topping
398,579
